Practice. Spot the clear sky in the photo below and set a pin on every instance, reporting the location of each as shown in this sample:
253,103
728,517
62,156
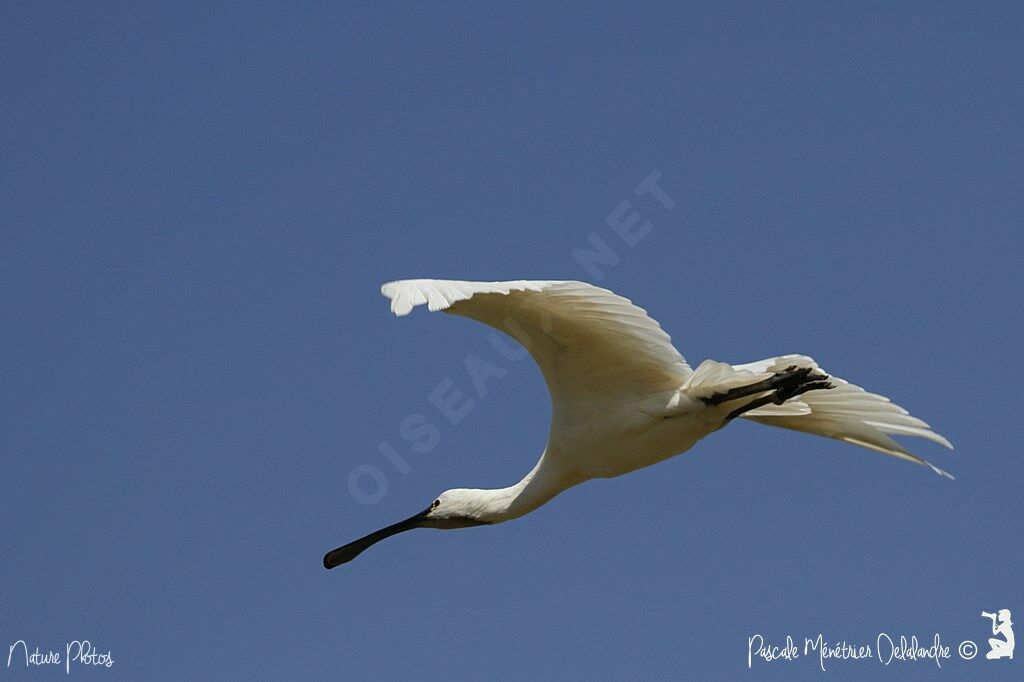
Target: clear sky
199,202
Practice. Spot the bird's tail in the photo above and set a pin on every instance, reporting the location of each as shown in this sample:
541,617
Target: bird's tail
845,412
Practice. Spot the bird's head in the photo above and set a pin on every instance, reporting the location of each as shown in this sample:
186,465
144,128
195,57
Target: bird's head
456,508
461,508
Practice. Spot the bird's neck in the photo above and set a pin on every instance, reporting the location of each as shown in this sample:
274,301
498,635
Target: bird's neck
543,482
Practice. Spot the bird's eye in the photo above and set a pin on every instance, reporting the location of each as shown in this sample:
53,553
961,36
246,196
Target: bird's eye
437,503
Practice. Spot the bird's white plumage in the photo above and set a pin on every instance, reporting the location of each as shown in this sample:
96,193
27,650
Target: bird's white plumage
846,412
440,294
590,343
623,397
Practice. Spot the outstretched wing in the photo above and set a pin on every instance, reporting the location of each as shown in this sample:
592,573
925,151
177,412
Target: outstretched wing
590,344
846,412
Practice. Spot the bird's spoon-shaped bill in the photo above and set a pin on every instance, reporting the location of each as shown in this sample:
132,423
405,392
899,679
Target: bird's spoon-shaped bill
347,553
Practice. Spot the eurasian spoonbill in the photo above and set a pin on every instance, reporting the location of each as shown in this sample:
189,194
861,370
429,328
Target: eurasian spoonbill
623,397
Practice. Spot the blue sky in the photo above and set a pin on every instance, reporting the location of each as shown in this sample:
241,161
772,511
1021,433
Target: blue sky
199,202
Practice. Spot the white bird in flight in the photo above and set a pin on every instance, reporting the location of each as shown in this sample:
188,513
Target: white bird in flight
623,398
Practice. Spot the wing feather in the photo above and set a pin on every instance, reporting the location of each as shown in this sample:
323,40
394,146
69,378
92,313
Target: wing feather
590,343
846,412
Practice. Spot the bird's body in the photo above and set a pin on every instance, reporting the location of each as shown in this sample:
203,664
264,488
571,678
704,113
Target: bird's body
623,398
613,440
602,444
